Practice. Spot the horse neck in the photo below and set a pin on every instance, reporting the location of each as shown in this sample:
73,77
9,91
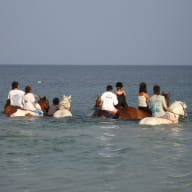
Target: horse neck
44,106
176,110
98,102
66,105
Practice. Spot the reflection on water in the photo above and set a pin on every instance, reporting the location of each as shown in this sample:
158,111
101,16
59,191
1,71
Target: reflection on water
106,140
108,125
176,131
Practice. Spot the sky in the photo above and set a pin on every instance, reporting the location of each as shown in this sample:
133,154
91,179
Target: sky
115,32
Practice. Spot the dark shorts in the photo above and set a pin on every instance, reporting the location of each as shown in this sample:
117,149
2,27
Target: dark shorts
146,109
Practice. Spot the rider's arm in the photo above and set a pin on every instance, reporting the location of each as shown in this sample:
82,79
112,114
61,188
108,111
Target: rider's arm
147,97
165,105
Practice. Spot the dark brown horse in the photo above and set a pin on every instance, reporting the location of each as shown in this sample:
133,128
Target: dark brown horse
10,109
44,103
124,112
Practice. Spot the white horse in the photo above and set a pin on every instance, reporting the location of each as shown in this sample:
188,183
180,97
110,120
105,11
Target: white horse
64,108
178,108
23,113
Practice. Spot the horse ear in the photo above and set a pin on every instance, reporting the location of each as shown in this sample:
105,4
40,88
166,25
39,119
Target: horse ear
69,96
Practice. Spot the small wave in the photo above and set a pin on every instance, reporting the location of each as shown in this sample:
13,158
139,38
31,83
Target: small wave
121,150
181,175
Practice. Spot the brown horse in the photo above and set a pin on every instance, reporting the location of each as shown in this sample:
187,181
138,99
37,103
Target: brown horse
44,103
10,109
132,113
124,112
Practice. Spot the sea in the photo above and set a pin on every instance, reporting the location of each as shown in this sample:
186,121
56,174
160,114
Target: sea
86,154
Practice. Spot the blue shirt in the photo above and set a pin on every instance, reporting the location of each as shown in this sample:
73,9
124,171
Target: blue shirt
157,103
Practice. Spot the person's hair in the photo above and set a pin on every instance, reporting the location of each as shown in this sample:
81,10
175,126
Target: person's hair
143,87
109,88
28,89
15,84
55,101
119,84
156,89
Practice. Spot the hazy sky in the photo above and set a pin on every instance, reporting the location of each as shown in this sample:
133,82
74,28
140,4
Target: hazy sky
96,32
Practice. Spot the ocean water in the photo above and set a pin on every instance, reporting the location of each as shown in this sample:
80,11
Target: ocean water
83,154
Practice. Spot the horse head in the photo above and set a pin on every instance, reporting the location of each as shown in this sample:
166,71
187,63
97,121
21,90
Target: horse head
179,108
167,97
44,103
98,102
65,103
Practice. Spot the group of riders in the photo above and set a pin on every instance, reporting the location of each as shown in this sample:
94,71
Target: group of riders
156,105
26,99
109,101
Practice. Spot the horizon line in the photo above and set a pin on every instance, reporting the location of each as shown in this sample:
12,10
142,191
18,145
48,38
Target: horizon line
102,64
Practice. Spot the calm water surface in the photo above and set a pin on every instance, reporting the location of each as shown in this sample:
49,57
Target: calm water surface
83,154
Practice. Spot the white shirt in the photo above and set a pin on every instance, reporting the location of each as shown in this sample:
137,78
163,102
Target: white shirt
109,99
16,97
28,101
142,101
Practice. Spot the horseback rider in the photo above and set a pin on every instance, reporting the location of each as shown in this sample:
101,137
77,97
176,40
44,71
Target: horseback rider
143,98
54,107
29,100
109,100
159,106
121,95
15,95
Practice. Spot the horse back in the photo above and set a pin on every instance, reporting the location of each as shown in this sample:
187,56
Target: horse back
132,113
10,109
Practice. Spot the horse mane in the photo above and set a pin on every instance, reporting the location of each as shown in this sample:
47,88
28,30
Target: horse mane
175,103
44,103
